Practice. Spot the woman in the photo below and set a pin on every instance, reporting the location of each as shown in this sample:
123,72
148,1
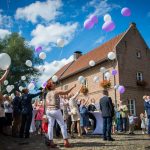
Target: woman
54,113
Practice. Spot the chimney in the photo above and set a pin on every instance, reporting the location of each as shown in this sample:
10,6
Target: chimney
77,54
133,24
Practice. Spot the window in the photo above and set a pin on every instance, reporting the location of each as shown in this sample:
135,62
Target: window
131,106
139,76
85,83
138,54
66,87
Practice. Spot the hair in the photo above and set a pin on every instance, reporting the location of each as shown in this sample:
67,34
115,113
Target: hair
144,97
49,85
105,92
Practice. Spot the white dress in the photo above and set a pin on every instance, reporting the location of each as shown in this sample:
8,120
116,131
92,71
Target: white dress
143,125
32,127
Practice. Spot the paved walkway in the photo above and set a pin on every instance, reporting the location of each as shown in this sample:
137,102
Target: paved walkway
123,142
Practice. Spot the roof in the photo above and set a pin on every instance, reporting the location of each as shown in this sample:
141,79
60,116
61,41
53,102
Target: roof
82,63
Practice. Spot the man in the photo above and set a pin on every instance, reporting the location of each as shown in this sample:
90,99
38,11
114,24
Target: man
16,114
107,109
26,105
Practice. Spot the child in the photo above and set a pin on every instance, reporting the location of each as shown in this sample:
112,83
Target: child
143,125
131,123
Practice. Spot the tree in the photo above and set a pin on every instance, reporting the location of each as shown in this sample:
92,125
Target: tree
19,51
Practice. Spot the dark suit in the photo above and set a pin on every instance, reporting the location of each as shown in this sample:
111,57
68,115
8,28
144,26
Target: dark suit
147,108
107,109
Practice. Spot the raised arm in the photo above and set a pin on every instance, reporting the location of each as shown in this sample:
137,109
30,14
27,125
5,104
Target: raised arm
4,76
65,92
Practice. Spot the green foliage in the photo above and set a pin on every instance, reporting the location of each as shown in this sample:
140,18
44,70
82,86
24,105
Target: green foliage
19,51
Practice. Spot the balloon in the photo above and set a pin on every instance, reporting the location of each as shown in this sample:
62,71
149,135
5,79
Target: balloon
102,69
111,55
44,85
114,72
12,86
31,86
126,12
94,19
38,49
107,75
96,79
9,88
29,63
121,89
20,88
92,63
81,79
116,86
12,95
5,61
55,63
5,82
54,78
108,26
107,17
60,43
42,55
23,78
88,24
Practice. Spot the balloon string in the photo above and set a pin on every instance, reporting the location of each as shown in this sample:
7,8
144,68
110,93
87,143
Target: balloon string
61,52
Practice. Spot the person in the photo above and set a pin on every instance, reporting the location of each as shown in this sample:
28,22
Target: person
147,108
53,112
8,112
26,104
16,114
107,109
131,123
75,114
146,123
143,125
92,108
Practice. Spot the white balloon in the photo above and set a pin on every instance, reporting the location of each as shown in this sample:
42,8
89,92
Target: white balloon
41,69
42,55
92,63
60,43
12,86
111,55
31,86
9,88
29,63
81,79
116,86
6,82
107,17
23,78
107,75
55,63
96,79
20,88
54,78
102,69
12,95
5,61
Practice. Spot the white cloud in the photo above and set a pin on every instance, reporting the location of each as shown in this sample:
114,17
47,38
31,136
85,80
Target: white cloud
100,40
4,33
46,36
100,7
148,14
51,68
46,10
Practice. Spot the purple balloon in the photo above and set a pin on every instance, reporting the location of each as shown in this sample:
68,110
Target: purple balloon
114,72
38,49
121,89
94,19
125,12
44,84
108,26
88,24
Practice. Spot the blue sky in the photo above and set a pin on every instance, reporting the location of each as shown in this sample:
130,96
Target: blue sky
43,22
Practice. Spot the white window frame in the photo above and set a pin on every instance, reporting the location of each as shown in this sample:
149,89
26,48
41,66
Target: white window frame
138,54
139,76
85,83
132,106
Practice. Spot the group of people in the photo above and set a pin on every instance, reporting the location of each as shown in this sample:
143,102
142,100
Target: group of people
65,109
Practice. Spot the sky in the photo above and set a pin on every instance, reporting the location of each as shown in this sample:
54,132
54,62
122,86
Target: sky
43,22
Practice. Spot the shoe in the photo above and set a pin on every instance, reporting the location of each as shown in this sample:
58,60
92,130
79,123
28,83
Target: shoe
67,145
110,139
104,139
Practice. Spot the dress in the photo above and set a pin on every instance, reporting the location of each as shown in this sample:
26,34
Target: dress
143,125
32,127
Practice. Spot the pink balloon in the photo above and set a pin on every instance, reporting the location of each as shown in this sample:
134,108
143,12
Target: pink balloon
88,24
94,19
38,49
126,12
108,26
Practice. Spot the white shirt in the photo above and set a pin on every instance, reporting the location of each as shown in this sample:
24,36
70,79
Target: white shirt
131,119
8,107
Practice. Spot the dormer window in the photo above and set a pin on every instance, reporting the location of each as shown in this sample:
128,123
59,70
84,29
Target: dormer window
139,76
138,54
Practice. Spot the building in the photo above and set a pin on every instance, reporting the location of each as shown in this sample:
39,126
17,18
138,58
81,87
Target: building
132,64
